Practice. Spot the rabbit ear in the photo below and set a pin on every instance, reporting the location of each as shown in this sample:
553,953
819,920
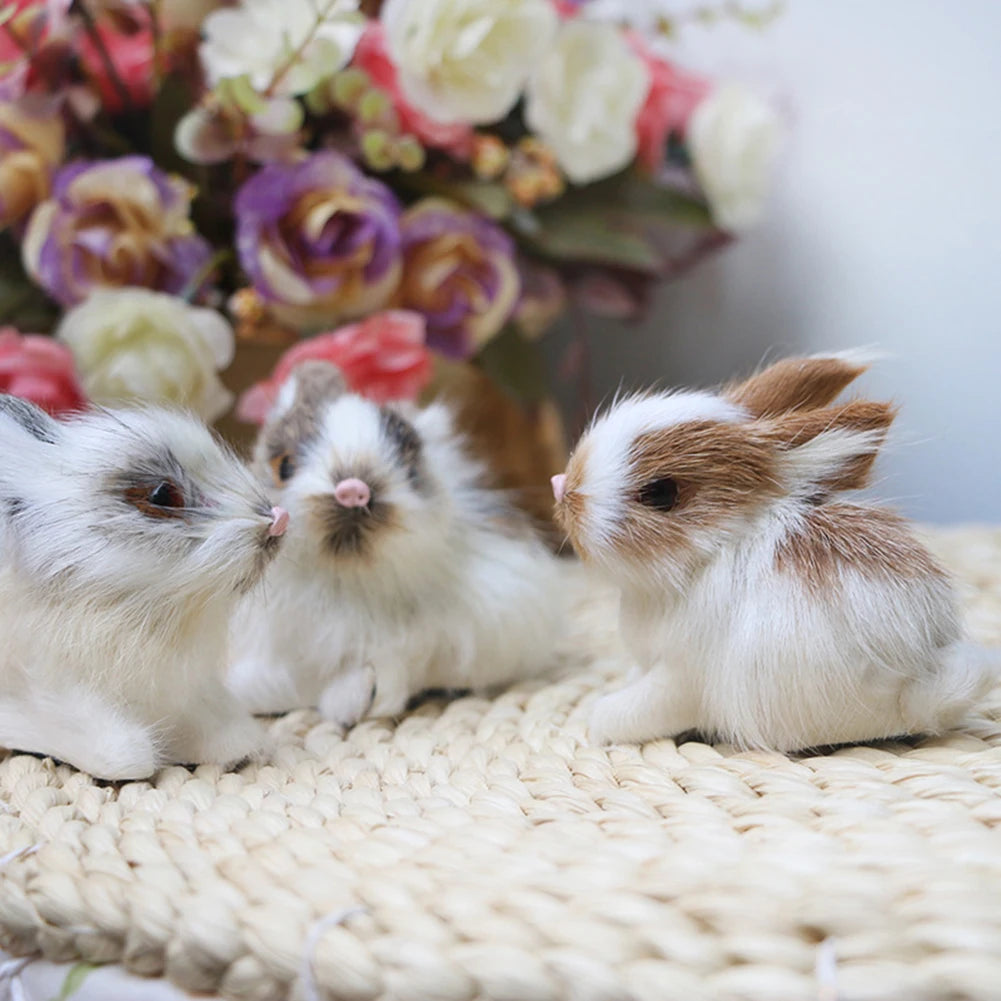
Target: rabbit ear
310,384
30,418
797,383
832,448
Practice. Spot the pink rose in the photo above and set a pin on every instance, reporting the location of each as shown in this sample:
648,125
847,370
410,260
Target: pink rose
36,368
372,56
670,101
29,28
384,358
131,53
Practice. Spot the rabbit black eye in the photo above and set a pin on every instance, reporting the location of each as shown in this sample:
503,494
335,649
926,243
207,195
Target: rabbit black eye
164,499
661,495
282,468
166,494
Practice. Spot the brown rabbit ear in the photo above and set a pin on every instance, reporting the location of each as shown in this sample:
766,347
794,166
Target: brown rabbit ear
796,384
833,448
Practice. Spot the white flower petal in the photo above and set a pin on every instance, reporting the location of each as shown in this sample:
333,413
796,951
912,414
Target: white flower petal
466,60
733,137
137,344
290,45
584,98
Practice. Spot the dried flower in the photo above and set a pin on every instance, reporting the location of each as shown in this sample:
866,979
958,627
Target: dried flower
36,368
134,344
466,60
459,271
113,223
373,57
284,47
732,138
31,147
384,358
319,240
670,100
584,99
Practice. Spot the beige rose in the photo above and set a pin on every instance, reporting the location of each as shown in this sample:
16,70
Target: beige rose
32,142
584,98
733,137
134,344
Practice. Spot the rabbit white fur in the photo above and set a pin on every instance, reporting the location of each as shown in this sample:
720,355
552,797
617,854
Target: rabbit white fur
114,597
760,609
429,580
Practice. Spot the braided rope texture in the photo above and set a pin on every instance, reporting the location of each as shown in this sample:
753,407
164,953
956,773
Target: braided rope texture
481,849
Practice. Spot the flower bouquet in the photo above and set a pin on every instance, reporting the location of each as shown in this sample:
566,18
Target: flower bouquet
196,192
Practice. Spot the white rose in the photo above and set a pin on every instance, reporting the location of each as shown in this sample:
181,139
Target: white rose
466,60
288,46
584,98
732,138
132,344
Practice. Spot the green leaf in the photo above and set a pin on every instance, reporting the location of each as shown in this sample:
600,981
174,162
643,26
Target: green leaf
622,222
594,234
74,980
484,197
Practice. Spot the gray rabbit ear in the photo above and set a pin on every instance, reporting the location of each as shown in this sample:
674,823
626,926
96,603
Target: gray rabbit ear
32,419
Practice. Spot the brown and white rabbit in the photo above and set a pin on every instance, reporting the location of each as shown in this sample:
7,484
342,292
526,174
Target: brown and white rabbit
402,569
760,608
126,538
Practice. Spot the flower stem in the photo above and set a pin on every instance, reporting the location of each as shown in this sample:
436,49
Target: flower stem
293,56
90,26
202,275
157,34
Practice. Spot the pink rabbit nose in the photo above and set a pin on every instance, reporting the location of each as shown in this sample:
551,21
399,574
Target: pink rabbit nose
279,522
352,493
559,482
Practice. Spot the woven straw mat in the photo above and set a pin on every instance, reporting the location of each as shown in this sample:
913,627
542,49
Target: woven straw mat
481,849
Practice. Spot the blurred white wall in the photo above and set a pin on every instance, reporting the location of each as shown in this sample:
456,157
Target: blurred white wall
884,229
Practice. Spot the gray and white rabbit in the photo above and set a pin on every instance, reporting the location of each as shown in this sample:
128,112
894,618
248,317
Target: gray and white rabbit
401,572
761,607
126,538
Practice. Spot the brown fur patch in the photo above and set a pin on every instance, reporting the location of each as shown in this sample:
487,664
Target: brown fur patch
349,531
793,384
570,512
870,540
721,470
858,416
316,384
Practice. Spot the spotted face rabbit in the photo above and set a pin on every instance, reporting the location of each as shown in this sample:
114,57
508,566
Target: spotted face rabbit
125,540
760,607
401,571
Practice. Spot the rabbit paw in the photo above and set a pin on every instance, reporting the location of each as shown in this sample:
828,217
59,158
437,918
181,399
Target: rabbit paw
643,710
229,743
349,697
122,752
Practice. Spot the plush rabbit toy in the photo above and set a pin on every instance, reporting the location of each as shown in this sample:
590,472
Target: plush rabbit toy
760,608
403,570
126,539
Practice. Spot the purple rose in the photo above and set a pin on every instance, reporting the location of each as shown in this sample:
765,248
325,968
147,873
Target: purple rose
319,240
459,271
113,223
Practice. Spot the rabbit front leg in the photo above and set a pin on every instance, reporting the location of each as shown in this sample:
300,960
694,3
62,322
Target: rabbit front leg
655,705
264,685
82,729
349,696
222,733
